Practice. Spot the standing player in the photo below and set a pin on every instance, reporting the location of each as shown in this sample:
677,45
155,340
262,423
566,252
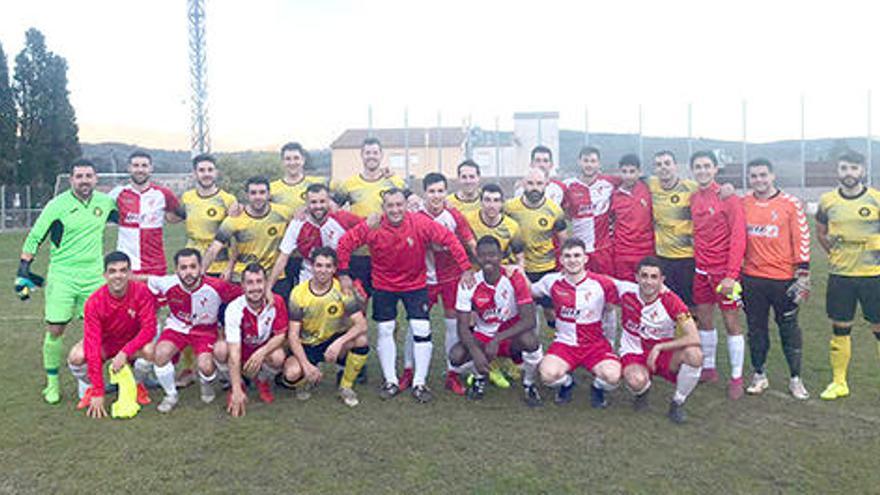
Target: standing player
255,331
648,344
491,220
848,228
74,223
144,207
467,198
399,245
580,298
542,159
194,302
632,220
504,313
363,192
120,319
719,247
776,273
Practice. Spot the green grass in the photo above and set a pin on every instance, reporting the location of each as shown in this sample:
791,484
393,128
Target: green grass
768,444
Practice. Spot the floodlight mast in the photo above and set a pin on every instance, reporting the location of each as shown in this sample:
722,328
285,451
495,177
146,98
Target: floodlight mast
200,140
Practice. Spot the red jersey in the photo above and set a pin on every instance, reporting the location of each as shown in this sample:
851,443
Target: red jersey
112,324
398,251
196,311
579,306
589,207
719,232
141,218
441,266
303,236
633,220
656,320
243,326
495,307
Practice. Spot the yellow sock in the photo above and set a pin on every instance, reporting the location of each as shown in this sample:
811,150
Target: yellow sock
354,362
841,349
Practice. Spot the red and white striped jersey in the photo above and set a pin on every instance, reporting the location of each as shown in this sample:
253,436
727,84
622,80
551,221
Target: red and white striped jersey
304,236
141,218
196,311
589,207
243,326
656,320
578,307
441,266
495,306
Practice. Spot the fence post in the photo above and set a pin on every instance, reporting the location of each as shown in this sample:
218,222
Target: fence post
28,199
3,207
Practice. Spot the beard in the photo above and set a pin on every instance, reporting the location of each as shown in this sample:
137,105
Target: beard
534,196
849,181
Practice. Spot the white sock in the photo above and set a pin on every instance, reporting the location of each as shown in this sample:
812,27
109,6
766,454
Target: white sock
165,376
609,325
736,351
562,382
408,349
267,373
600,383
387,350
81,373
222,370
708,342
466,368
422,350
142,369
207,379
531,360
688,377
643,390
451,338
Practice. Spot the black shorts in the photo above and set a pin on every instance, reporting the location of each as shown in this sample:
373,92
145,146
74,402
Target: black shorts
843,294
283,288
679,273
361,268
315,353
543,301
415,302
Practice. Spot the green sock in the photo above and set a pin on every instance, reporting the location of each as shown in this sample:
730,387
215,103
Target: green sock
53,347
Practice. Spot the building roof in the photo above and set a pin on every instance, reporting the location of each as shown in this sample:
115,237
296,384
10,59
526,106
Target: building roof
419,137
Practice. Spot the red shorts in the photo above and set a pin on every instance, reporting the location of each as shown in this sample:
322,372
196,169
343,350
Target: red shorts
447,290
503,347
201,343
601,261
625,269
635,350
587,356
705,293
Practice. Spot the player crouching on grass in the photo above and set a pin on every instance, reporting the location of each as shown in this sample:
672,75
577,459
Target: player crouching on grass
255,328
120,319
648,345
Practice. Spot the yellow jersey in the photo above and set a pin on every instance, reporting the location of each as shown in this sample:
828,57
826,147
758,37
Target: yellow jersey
322,315
854,230
203,217
292,196
256,238
464,207
366,196
506,231
673,228
538,226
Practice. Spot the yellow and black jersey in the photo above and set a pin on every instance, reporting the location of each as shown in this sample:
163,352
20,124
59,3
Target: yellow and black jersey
256,238
322,315
854,230
538,226
292,196
464,207
365,196
203,217
506,231
673,228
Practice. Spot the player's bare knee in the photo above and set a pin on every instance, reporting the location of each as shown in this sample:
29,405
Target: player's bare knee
550,373
635,377
527,342
221,352
76,356
361,341
458,355
292,369
206,363
693,356
609,372
275,359
56,329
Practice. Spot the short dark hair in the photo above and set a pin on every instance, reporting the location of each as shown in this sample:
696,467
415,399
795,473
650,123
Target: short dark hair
317,187
630,159
488,240
370,141
468,163
573,242
255,180
203,157
650,261
253,267
492,188
704,154
432,178
293,146
140,154
186,253
325,251
761,162
660,153
80,162
541,149
392,191
116,257
852,157
589,150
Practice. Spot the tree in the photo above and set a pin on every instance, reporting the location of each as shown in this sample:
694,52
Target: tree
8,124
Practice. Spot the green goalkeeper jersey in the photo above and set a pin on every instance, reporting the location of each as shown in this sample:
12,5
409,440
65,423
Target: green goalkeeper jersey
76,233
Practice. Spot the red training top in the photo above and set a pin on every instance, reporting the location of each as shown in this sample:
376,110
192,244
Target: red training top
719,232
633,222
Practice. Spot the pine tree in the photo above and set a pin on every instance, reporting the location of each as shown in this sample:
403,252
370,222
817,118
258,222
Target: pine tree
8,124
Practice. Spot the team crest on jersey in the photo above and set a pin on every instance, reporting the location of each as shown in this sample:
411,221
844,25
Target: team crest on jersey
332,309
711,210
212,212
643,203
864,211
675,199
410,242
98,211
273,231
543,222
302,195
131,313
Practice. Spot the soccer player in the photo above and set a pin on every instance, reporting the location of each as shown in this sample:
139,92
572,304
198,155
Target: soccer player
491,220
848,229
120,319
719,247
73,222
543,227
398,246
194,302
326,324
363,192
467,198
776,273
632,220
648,344
580,298
144,207
504,313
257,233
542,159
255,331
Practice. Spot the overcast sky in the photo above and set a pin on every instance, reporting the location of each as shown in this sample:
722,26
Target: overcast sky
307,70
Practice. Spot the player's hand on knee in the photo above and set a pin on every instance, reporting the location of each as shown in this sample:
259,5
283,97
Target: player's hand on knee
481,363
253,364
312,373
96,408
332,352
120,360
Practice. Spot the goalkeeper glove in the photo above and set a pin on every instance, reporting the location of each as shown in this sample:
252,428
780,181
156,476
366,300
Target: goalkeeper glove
26,281
799,291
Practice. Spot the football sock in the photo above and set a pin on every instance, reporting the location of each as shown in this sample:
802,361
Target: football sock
165,376
531,360
53,348
223,370
267,373
408,349
466,368
207,379
142,368
387,350
708,342
736,346
602,384
643,389
354,362
565,381
81,373
841,347
422,350
687,379
451,338
792,345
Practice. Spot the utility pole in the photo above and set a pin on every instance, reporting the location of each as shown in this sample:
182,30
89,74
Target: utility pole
200,140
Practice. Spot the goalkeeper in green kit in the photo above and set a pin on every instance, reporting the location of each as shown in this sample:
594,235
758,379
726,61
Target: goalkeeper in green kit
74,223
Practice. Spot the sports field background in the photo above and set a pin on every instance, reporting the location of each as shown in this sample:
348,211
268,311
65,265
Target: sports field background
768,444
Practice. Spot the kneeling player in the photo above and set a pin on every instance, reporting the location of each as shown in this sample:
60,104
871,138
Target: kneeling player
648,345
504,313
120,319
325,325
255,334
580,299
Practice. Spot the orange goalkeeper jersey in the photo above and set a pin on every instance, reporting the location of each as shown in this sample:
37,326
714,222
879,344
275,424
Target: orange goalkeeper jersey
777,236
